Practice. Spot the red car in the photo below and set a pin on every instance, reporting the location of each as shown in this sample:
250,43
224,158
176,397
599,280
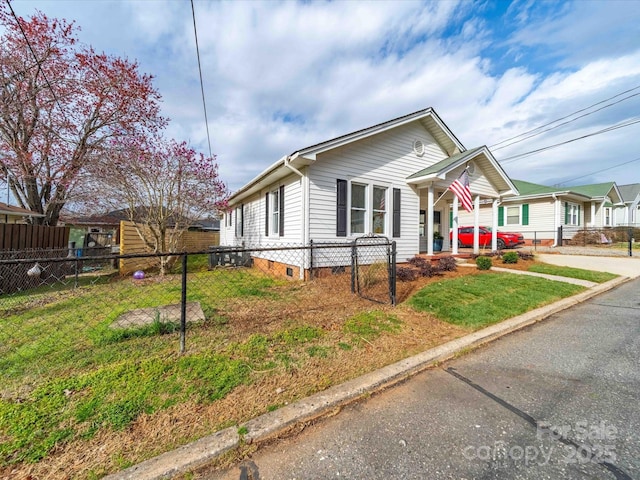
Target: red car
505,239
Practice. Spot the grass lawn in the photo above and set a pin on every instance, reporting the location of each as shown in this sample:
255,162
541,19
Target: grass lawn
589,275
481,300
79,399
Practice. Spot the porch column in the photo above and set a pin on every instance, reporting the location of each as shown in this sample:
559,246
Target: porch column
494,225
593,215
429,220
454,239
476,224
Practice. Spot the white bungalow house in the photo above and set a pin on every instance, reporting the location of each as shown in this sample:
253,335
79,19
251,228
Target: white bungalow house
390,179
538,211
628,214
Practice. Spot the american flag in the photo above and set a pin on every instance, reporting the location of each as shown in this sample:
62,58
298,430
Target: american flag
461,188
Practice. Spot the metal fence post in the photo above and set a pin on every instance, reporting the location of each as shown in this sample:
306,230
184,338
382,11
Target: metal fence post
354,266
392,273
311,259
630,232
183,305
535,241
559,237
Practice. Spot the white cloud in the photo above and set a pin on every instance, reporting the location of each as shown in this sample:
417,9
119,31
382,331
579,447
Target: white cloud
283,75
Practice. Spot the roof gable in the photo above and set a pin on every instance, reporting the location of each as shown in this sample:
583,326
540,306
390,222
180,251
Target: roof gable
629,192
288,164
599,191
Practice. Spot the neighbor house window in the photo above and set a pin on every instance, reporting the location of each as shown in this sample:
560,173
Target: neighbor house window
358,207
571,214
513,215
379,209
607,217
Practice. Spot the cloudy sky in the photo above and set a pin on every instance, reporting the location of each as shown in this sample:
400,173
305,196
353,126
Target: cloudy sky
279,76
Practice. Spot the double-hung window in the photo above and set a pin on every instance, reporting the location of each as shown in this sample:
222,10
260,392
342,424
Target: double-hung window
513,215
240,221
275,212
363,208
358,208
379,210
607,217
571,214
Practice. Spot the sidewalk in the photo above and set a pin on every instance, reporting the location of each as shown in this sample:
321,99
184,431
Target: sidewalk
626,266
269,425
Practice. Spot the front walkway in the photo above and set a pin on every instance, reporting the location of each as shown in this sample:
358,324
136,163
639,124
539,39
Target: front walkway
575,281
626,266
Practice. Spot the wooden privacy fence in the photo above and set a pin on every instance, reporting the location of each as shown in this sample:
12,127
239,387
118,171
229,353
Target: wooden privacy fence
130,242
21,236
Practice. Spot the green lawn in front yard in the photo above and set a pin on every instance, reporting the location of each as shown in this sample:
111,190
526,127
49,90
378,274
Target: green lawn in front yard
476,301
67,378
589,275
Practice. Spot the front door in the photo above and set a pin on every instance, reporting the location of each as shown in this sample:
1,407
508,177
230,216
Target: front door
437,228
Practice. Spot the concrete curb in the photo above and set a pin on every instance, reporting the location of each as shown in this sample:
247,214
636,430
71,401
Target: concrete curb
269,425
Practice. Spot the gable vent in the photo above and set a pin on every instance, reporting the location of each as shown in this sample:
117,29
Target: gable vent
418,147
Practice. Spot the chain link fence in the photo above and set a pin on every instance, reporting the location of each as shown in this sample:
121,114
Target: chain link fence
60,309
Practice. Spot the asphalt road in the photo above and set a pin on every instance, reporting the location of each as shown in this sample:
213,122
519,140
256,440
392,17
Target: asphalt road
558,400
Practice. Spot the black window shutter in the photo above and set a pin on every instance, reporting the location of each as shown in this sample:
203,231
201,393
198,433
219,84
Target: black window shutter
242,220
281,213
341,209
396,212
266,214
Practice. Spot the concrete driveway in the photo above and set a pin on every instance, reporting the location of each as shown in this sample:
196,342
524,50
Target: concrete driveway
626,266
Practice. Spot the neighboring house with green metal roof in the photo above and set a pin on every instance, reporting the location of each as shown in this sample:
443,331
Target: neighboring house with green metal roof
628,214
538,211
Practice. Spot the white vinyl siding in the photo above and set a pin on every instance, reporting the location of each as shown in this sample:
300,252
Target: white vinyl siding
385,160
254,217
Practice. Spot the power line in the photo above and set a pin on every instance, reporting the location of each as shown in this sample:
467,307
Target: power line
567,116
204,104
598,171
565,123
549,147
55,98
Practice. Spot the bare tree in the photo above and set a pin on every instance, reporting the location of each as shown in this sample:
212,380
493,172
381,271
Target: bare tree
164,186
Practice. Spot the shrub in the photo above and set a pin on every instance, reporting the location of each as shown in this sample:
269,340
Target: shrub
483,263
406,274
525,255
425,269
510,257
447,264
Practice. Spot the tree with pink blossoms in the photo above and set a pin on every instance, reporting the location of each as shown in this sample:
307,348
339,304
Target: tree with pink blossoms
62,107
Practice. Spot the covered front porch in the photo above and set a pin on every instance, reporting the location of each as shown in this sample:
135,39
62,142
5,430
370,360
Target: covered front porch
440,210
